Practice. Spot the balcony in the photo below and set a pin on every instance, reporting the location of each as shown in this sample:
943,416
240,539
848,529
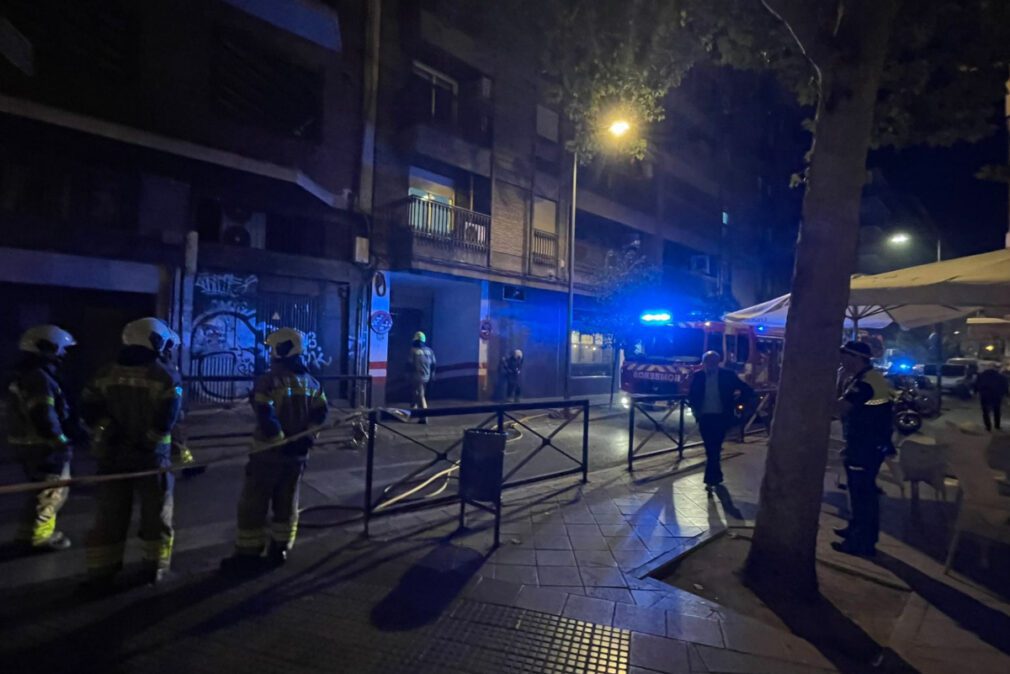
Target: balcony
428,230
545,248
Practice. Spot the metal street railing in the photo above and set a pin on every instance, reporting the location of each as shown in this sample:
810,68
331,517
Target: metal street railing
405,492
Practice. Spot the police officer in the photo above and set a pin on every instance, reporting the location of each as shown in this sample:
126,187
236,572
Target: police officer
287,401
866,411
38,429
132,406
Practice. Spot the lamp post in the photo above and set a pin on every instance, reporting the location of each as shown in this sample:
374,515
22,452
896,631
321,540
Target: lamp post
617,129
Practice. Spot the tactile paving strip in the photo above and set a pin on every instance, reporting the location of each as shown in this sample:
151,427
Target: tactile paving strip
487,639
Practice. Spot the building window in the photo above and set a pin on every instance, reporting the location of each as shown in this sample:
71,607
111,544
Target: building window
545,215
547,123
432,197
592,354
264,88
437,94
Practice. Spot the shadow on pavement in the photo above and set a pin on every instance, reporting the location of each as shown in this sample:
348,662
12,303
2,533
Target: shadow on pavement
837,637
990,625
730,508
427,588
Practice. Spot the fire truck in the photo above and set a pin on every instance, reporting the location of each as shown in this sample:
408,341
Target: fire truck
665,354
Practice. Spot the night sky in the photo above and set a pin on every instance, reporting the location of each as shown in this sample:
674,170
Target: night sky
971,213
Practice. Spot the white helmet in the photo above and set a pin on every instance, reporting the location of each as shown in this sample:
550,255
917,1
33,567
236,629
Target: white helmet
150,333
46,340
285,343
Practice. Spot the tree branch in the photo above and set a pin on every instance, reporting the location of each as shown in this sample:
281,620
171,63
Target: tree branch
805,20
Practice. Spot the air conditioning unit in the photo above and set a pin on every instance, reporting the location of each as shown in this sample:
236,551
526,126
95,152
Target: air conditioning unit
702,264
241,227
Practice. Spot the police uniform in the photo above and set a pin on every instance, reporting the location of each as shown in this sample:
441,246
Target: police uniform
868,430
287,401
39,418
132,407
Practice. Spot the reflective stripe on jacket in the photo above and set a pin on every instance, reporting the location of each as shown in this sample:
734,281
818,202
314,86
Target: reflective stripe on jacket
37,408
287,402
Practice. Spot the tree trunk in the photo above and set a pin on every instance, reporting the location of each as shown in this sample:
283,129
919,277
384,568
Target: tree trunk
849,65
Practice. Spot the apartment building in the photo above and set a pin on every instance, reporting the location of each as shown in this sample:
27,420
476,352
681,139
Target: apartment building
473,193
193,159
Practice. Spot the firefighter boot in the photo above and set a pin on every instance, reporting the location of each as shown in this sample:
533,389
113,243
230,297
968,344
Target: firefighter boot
240,566
277,555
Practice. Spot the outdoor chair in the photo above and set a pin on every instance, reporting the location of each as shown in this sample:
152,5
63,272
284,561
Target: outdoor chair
997,455
923,459
982,510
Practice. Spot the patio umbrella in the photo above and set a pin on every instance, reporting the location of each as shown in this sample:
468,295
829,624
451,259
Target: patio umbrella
773,314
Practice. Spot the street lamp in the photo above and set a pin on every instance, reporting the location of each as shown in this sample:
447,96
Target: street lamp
904,238
617,128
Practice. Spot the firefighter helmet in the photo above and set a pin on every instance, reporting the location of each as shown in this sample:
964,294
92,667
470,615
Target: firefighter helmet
172,342
285,343
46,340
420,337
150,333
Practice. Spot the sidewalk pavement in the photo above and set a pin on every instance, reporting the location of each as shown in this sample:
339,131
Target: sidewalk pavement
569,590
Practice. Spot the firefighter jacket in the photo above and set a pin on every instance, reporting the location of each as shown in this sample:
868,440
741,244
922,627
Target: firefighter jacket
132,406
287,401
869,423
38,410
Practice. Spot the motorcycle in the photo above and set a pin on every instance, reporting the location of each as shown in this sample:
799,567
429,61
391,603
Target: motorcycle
907,418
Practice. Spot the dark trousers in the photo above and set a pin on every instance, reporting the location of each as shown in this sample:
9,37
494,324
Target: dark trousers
864,503
270,485
106,542
991,406
713,431
513,388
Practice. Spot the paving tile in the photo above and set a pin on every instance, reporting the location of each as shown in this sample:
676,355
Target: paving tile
625,543
495,591
514,573
632,559
559,575
578,516
595,558
646,598
591,529
639,619
658,654
551,541
694,660
732,662
615,594
696,630
512,555
546,600
555,558
660,545
615,517
750,636
599,611
588,542
622,529
599,576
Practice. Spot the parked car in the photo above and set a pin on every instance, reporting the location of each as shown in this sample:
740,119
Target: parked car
958,376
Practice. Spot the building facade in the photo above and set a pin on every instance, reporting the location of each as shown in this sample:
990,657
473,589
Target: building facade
472,195
196,160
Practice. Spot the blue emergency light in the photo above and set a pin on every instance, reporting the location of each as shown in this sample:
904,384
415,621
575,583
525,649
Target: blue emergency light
655,317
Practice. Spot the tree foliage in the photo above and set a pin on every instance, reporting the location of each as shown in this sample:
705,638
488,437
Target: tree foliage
942,81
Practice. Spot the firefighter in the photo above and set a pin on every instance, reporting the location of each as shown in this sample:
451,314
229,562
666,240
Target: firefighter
38,429
421,366
866,411
287,402
181,454
132,406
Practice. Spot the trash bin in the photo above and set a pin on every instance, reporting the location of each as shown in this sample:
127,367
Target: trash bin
480,474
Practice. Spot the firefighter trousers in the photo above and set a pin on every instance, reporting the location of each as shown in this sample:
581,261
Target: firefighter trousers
106,542
270,484
37,522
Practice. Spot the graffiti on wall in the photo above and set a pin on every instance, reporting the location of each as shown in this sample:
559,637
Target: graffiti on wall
228,332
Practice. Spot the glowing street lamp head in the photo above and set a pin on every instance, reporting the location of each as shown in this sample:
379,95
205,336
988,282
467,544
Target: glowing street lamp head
619,127
899,239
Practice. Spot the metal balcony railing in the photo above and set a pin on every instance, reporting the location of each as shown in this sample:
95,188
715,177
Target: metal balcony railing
545,247
444,224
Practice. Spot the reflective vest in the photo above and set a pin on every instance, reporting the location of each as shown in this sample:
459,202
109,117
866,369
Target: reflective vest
37,409
287,403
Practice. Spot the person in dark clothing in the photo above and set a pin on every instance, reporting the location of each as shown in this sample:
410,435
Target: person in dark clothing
131,407
992,388
512,370
289,403
40,431
713,395
865,408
